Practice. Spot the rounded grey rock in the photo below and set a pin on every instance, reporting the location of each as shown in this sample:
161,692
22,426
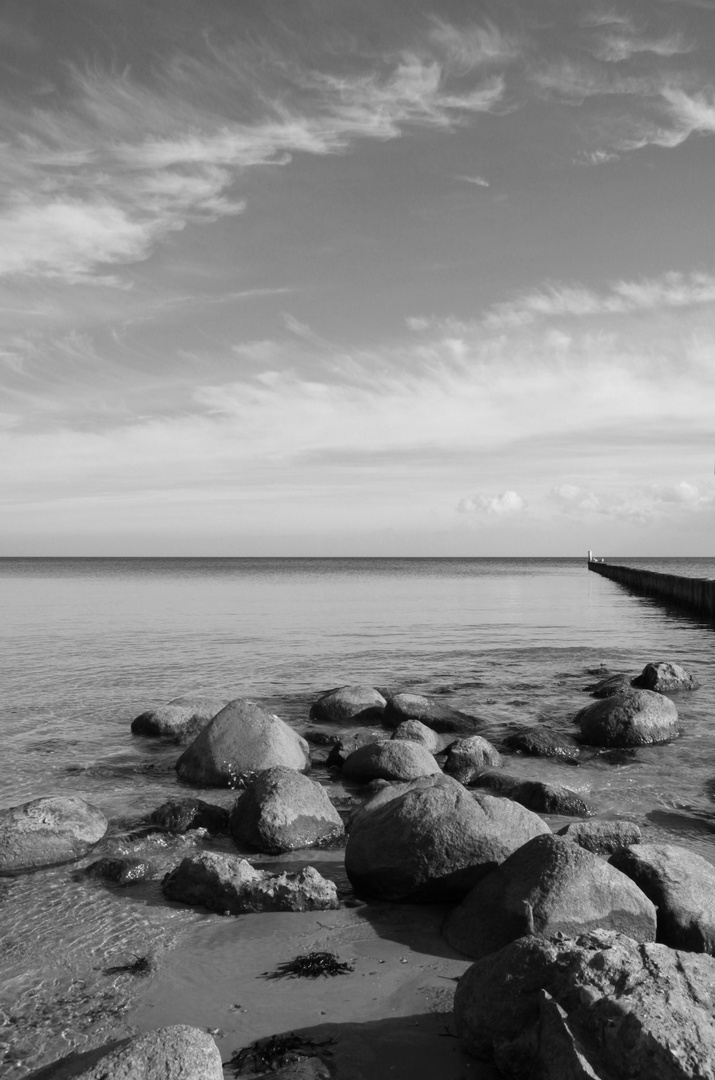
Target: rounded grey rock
49,831
393,759
633,718
243,739
283,810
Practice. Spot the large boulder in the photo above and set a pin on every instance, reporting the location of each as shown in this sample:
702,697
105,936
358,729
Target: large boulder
434,714
432,841
45,832
349,705
682,886
602,837
626,1009
230,885
180,1052
535,795
180,815
283,810
634,718
181,718
542,742
466,757
392,759
548,886
241,740
664,677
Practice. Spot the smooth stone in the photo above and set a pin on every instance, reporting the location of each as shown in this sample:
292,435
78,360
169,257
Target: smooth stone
230,885
181,718
535,795
416,731
349,705
634,718
542,742
432,840
682,886
179,1052
434,714
283,810
243,739
601,837
180,815
393,759
548,886
47,832
663,677
639,1010
466,757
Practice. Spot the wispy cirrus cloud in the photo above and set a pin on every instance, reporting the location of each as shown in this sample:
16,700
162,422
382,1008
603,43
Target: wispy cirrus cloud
103,179
478,181
474,46
614,48
673,289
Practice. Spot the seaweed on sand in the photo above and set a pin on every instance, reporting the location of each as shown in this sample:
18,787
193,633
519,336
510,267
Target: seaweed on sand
310,966
275,1052
140,965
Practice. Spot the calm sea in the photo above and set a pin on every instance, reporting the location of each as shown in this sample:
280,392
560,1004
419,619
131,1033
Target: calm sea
87,644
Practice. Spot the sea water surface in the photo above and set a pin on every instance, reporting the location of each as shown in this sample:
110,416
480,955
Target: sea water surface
87,644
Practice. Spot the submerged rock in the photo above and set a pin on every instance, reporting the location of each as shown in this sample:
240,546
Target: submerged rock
283,810
663,677
602,837
626,1009
614,684
393,759
121,871
181,718
432,841
243,739
466,757
180,1052
548,886
434,714
45,832
682,886
343,748
536,795
634,718
230,885
349,705
180,815
542,742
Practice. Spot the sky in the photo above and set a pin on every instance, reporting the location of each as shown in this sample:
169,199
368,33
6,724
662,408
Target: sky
357,277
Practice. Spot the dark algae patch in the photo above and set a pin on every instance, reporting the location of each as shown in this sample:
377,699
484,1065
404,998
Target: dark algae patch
275,1052
310,966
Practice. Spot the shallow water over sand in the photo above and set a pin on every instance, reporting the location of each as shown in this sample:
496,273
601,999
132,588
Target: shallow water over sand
88,644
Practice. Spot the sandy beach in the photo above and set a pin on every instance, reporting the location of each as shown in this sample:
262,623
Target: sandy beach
388,1018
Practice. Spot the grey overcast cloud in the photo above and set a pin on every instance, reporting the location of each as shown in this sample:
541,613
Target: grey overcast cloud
351,277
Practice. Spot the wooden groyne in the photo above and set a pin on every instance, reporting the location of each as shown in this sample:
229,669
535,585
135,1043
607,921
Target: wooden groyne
695,594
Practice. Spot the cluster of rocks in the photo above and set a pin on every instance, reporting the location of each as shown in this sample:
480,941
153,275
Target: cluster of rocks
554,922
